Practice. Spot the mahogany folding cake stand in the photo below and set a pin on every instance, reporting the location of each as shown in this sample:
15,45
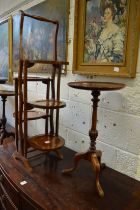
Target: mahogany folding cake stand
25,109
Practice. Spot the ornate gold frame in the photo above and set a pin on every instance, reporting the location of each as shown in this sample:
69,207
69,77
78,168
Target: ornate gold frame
10,44
9,72
128,68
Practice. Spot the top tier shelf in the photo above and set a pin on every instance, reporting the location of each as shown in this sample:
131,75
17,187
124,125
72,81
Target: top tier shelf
30,63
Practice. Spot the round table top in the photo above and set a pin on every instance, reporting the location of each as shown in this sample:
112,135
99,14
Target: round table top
100,86
7,93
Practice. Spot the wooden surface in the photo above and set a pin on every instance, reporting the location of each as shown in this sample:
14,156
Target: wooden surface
46,142
50,104
31,115
103,86
54,191
7,93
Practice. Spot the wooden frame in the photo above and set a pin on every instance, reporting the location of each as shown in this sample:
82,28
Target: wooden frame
126,66
10,43
6,72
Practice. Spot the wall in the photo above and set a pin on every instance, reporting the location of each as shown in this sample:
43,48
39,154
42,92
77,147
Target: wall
118,115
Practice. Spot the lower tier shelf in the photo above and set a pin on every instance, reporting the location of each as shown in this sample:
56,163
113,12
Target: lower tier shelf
46,142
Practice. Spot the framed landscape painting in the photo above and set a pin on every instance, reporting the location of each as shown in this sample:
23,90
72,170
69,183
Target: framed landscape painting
36,35
106,37
6,50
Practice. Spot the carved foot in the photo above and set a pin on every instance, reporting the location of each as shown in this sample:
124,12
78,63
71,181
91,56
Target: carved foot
103,165
16,155
96,165
77,158
8,134
59,155
68,170
99,156
5,134
1,123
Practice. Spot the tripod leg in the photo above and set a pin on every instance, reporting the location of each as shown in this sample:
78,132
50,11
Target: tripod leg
96,166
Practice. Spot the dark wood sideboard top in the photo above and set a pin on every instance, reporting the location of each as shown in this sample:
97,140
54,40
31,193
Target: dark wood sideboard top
51,190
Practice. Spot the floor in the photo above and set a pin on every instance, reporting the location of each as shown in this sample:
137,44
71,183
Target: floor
77,191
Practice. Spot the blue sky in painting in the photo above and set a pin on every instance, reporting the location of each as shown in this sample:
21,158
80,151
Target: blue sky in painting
93,4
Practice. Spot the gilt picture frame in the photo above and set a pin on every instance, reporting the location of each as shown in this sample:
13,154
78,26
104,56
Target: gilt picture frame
6,72
106,37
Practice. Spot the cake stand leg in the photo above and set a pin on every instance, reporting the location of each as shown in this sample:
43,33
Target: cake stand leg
16,155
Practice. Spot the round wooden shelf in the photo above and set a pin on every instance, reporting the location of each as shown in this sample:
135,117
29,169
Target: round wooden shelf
33,115
7,93
49,104
46,142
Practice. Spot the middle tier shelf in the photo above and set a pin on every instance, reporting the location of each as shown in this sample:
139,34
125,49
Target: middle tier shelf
47,104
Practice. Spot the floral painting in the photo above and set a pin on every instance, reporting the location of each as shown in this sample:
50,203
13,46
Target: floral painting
106,31
37,35
4,51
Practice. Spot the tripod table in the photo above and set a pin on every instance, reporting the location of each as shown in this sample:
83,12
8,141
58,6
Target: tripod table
92,154
3,132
